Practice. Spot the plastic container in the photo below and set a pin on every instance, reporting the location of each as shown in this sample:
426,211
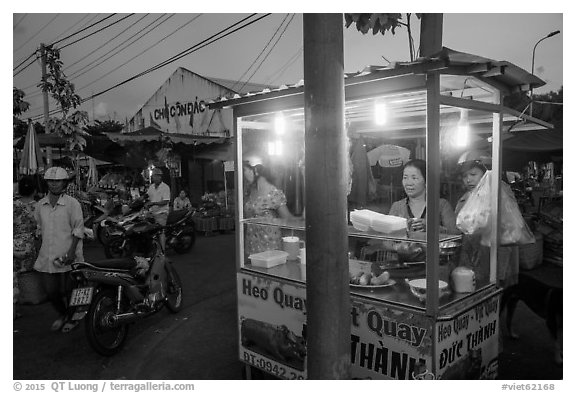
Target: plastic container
388,224
268,259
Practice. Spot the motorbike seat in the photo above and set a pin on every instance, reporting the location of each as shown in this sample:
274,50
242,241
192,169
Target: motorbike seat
115,263
175,216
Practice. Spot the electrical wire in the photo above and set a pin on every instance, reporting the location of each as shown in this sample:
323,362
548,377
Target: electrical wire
33,53
72,27
261,52
141,53
20,21
208,41
38,32
286,65
92,52
97,31
269,52
84,29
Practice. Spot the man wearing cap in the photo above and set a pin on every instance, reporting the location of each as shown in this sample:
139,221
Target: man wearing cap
60,221
159,198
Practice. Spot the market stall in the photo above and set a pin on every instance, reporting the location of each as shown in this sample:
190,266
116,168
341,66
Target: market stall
424,320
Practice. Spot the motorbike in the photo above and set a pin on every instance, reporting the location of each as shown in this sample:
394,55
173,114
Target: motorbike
127,235
121,214
111,294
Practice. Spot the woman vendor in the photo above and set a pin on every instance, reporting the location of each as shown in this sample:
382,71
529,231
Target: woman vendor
262,199
413,208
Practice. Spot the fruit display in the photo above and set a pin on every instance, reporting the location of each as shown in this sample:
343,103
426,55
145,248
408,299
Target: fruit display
363,278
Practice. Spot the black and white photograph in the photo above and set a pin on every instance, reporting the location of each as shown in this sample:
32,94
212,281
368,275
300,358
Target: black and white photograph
247,196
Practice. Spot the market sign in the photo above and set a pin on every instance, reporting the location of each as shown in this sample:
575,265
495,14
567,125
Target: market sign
467,344
272,323
388,343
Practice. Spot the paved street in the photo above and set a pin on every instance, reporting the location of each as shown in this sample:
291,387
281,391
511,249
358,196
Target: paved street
200,342
197,343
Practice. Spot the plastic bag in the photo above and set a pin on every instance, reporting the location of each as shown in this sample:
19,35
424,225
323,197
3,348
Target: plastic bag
476,216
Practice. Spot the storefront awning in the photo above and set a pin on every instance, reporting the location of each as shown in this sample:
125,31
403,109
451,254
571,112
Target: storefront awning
151,134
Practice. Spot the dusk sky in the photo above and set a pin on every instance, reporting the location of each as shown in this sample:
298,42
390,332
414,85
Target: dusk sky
111,56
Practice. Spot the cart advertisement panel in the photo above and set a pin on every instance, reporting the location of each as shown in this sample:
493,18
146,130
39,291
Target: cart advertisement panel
467,345
388,343
272,318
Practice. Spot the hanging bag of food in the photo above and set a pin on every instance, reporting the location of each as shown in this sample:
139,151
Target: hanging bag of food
474,217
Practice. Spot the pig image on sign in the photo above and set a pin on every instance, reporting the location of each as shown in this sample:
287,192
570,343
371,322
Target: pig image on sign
277,342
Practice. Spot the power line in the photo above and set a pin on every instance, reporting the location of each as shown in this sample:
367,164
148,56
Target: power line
278,73
71,27
178,56
144,51
106,43
80,31
93,51
97,31
20,21
261,52
38,32
270,51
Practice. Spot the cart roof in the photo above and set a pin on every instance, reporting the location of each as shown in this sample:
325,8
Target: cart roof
504,74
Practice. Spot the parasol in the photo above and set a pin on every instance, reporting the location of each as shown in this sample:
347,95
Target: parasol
32,158
92,172
389,156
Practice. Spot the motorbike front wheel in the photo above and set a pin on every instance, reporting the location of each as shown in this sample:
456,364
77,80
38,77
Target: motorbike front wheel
116,248
103,337
174,290
184,243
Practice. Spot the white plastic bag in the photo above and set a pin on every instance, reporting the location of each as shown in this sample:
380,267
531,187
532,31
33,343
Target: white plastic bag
475,217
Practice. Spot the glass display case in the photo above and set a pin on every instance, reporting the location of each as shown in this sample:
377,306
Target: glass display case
432,111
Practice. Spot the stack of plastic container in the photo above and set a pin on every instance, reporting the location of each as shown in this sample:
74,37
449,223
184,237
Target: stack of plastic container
363,220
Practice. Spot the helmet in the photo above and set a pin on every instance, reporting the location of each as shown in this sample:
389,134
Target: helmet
157,171
474,158
56,173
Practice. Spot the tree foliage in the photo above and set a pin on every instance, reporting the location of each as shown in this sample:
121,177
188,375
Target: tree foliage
19,106
101,127
378,23
70,127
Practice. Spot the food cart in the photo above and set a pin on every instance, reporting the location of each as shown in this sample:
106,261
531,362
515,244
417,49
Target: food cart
399,331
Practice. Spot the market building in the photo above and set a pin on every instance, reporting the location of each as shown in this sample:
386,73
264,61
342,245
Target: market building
200,137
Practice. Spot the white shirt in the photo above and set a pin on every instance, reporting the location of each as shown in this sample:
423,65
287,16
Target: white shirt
159,194
58,225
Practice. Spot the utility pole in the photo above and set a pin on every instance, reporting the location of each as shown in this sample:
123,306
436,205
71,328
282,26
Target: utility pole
327,289
46,103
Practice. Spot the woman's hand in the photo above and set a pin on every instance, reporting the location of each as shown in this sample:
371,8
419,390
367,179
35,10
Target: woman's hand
416,224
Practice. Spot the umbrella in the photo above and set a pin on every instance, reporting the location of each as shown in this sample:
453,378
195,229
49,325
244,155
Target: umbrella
92,172
389,156
32,157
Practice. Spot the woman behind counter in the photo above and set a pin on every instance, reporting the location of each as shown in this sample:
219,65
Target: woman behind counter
413,207
262,199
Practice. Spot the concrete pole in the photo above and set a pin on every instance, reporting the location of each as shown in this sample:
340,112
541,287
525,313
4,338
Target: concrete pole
431,34
46,103
327,290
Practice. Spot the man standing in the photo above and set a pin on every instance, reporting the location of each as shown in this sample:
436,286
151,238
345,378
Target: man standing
159,198
60,222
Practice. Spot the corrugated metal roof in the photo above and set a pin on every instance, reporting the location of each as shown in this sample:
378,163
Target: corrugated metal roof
502,72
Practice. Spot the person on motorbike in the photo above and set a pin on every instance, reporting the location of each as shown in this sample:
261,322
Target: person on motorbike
159,198
61,224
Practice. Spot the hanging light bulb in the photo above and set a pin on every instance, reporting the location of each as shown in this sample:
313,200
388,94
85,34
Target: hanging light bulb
463,129
380,113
